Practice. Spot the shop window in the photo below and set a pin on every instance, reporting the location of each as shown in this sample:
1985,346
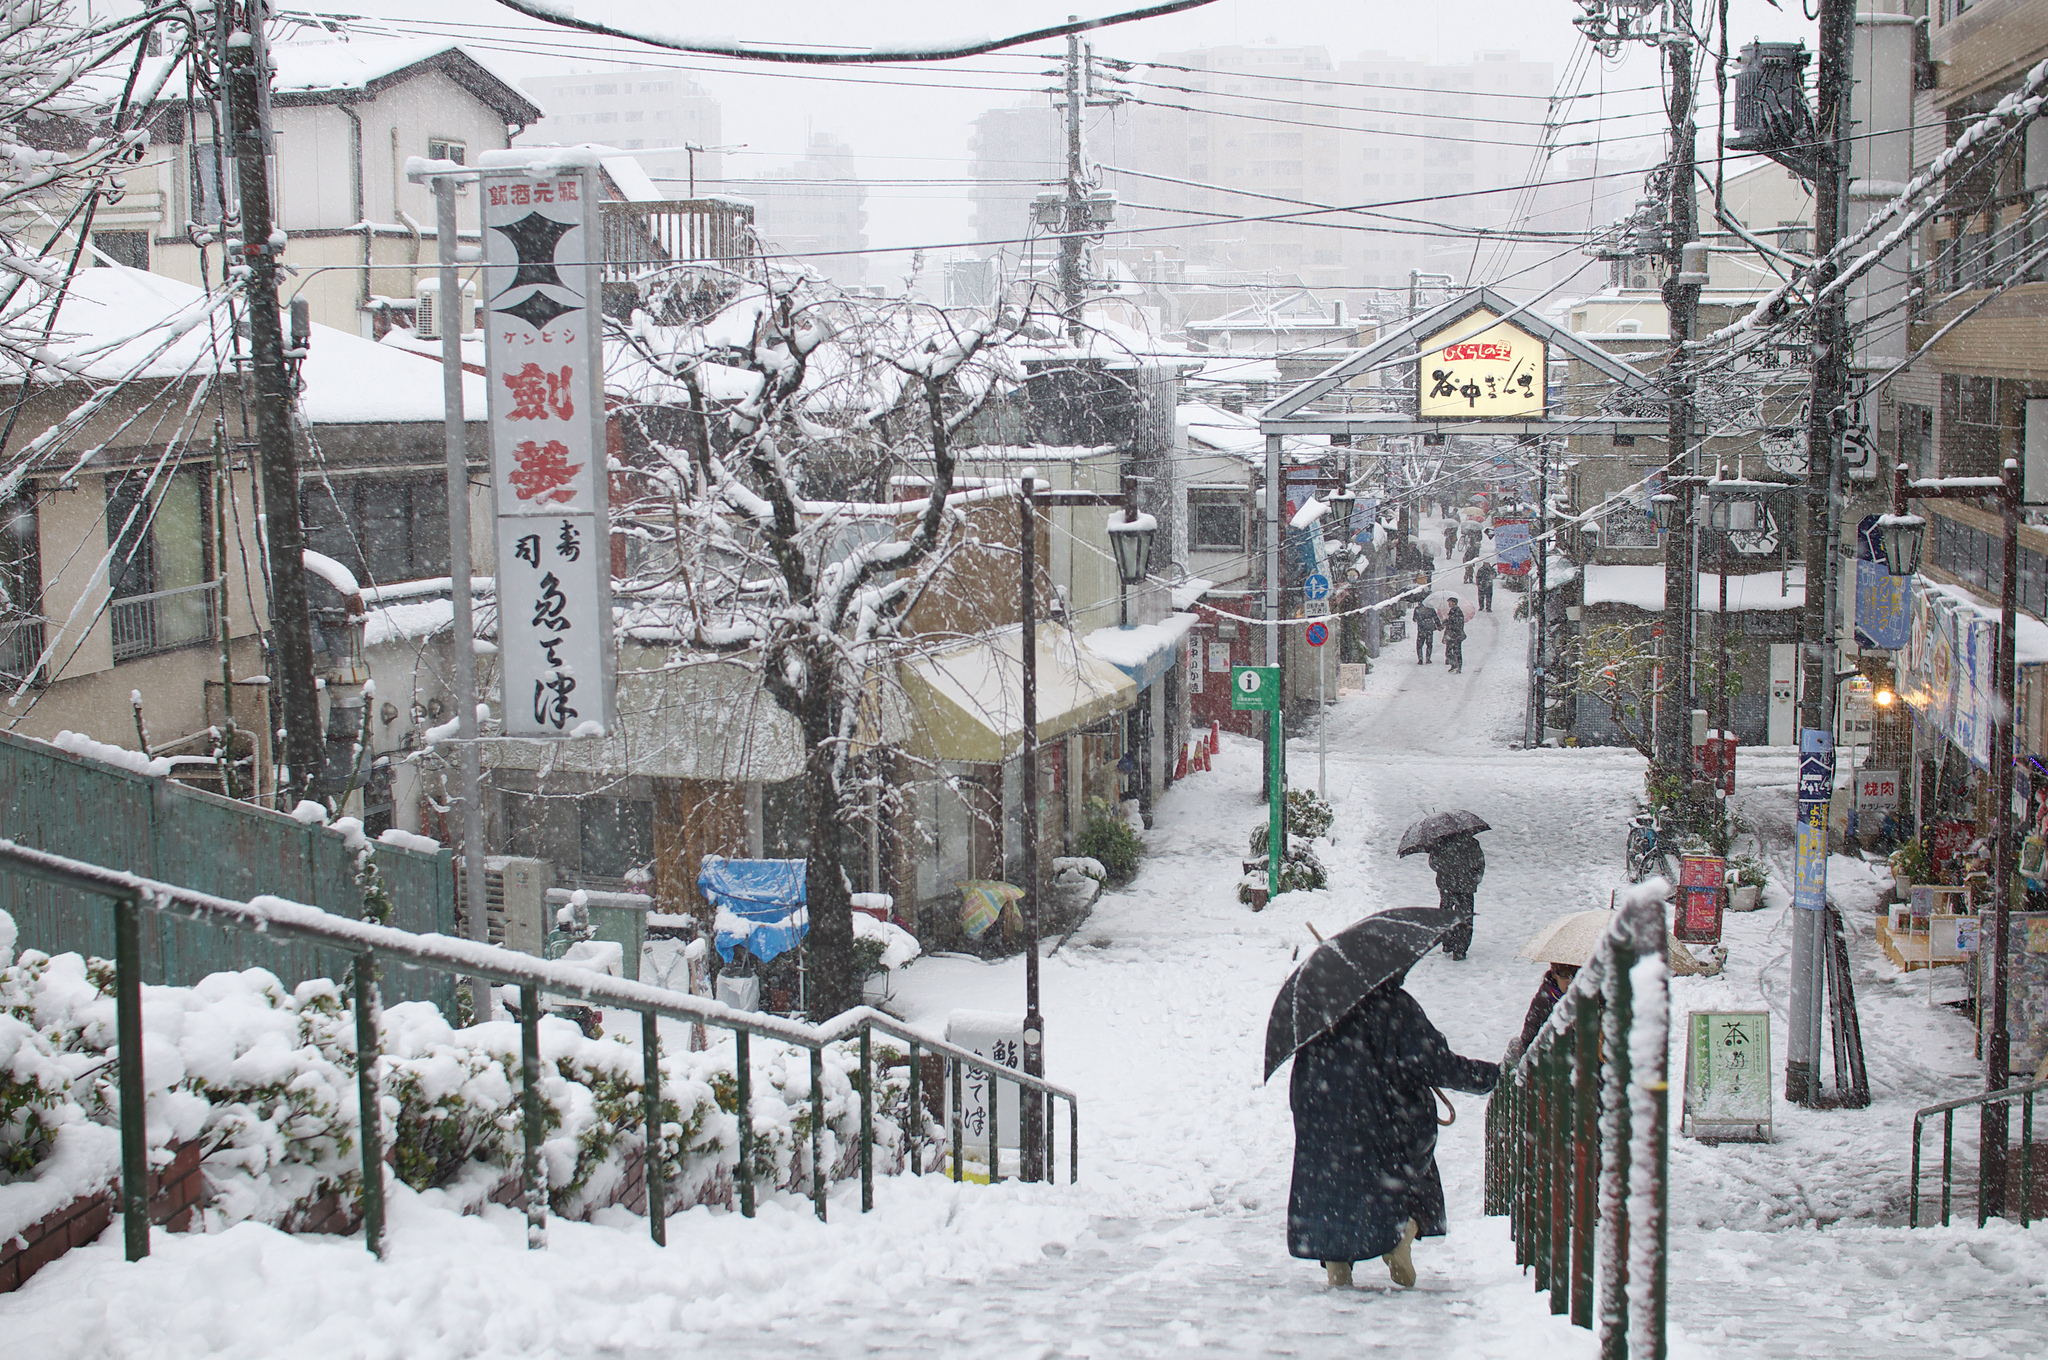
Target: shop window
1216,521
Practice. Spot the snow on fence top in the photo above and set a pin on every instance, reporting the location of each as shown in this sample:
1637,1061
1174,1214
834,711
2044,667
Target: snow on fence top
1643,588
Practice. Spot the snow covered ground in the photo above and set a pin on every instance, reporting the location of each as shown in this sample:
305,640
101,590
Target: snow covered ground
1172,1244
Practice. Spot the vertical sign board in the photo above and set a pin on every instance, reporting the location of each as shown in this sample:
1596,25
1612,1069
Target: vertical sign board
545,367
1816,788
1727,1077
999,1038
1257,688
1700,882
1511,547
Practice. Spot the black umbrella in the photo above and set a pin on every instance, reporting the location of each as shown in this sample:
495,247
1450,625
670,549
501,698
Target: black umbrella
1439,827
1336,977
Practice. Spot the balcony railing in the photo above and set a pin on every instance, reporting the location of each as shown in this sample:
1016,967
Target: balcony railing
165,620
21,645
647,238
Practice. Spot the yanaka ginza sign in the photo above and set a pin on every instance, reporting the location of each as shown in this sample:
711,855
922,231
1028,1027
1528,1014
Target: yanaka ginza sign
1480,367
545,362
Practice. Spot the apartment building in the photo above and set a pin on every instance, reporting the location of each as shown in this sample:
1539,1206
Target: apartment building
656,113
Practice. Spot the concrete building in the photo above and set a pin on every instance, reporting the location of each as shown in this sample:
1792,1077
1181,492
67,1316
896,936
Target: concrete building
815,210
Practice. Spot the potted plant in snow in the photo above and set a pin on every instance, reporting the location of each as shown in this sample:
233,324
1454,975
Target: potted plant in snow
1745,883
1911,864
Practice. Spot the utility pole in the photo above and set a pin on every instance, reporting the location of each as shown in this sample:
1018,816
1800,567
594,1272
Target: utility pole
1075,221
1823,457
1682,283
290,628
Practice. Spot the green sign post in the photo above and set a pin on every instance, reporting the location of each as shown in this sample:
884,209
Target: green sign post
1257,688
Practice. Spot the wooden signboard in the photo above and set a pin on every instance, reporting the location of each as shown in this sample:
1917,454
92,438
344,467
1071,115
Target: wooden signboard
1727,1077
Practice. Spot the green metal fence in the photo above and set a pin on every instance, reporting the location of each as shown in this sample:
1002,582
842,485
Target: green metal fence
1577,1143
136,899
1984,1101
101,814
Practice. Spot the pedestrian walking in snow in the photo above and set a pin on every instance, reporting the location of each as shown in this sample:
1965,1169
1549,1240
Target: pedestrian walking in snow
1556,981
1365,1120
1484,580
1450,541
1459,864
1454,636
1425,633
1471,561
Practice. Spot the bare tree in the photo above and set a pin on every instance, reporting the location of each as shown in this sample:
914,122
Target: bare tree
784,405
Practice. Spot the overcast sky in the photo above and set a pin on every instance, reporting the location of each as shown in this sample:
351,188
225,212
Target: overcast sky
914,122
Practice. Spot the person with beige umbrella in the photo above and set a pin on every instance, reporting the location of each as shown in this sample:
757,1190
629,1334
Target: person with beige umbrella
1566,944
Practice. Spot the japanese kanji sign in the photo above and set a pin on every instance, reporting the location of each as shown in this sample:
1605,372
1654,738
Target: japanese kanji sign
1480,368
548,465
1728,1076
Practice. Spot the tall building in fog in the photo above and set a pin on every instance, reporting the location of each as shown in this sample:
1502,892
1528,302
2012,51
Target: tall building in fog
1421,140
654,113
815,210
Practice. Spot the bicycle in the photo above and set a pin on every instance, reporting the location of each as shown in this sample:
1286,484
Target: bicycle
1648,839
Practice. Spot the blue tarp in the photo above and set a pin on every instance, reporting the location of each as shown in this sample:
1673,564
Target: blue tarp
760,903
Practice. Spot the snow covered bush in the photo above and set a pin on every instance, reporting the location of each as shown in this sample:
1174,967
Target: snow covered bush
1108,839
265,1081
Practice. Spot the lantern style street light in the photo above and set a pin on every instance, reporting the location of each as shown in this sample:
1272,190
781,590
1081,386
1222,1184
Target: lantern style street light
1663,510
1130,538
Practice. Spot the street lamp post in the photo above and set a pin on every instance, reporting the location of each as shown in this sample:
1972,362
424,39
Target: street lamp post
1901,534
1133,561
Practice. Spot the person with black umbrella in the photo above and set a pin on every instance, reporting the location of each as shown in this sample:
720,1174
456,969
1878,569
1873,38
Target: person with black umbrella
1452,843
1366,1062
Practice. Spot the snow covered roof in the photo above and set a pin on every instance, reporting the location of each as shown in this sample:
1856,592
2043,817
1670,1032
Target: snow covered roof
1142,651
119,323
1643,588
330,70
967,698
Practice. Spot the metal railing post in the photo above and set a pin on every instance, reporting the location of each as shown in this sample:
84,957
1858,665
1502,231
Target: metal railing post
1539,1217
1560,1156
743,1072
650,1106
532,1185
134,1111
2027,1159
1948,1153
369,1104
1585,1159
995,1151
867,1121
913,1119
818,1129
959,1131
1615,1125
1073,1141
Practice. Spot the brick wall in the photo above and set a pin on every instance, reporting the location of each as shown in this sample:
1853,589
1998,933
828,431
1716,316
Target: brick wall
175,1194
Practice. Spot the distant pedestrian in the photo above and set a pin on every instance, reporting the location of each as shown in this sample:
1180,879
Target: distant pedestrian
1484,580
1450,541
1425,633
1365,1119
1471,559
1454,636
1459,864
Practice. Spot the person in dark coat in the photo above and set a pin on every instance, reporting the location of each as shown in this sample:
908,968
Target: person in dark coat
1365,1178
1454,635
1556,982
1459,864
1484,580
1450,540
1425,633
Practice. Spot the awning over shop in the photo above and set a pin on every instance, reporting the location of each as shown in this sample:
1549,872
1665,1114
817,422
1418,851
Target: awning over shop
1643,588
966,699
1145,651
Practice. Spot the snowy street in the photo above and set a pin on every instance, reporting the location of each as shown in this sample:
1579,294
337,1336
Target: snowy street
1172,1242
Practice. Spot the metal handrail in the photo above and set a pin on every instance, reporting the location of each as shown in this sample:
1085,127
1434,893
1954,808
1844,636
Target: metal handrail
368,943
1947,1110
136,629
1561,1132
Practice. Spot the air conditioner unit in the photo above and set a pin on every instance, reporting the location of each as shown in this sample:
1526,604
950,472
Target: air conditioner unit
516,902
426,321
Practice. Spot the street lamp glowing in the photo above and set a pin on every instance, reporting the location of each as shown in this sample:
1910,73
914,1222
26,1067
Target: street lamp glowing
1884,698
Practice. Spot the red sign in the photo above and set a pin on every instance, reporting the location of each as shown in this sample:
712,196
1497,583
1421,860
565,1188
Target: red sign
1700,879
1318,634
1478,351
1950,840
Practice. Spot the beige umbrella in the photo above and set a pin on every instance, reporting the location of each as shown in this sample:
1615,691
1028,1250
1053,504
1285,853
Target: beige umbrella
1569,939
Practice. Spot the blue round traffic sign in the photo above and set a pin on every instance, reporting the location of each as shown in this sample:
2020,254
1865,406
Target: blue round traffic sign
1318,634
1316,587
